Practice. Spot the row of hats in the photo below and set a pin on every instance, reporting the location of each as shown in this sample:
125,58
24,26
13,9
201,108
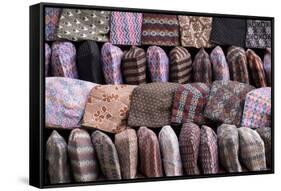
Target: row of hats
196,151
132,28
130,67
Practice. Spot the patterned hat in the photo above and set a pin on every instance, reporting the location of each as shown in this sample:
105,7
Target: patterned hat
228,142
237,63
52,16
219,64
169,146
265,134
256,69
84,24
82,156
252,151
47,58
158,64
257,108
267,65
64,59
195,31
56,155
107,107
189,142
226,101
111,59
189,103
180,65
202,67
134,66
107,155
151,104
65,101
89,62
159,29
258,34
150,158
125,28
208,151
126,144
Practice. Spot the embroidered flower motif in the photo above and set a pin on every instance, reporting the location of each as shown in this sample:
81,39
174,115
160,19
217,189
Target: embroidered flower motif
110,98
123,111
102,114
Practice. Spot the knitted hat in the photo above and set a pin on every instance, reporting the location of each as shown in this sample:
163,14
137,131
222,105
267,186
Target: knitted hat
189,103
158,64
56,155
134,66
84,24
258,34
219,64
107,155
226,101
82,156
126,144
65,101
267,65
151,104
201,67
256,69
52,16
180,65
89,62
265,134
47,58
125,28
150,158
170,152
107,107
189,141
237,63
159,29
208,151
257,108
195,31
228,142
111,60
252,151
64,59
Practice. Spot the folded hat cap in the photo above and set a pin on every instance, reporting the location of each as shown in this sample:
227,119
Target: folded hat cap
158,64
267,65
202,67
56,155
189,142
189,103
134,66
219,64
150,158
252,151
180,65
82,156
265,134
63,62
47,58
111,60
258,34
52,16
107,155
228,142
169,146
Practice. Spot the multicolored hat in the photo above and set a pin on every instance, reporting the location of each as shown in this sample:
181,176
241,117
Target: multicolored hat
267,65
219,64
52,16
265,134
202,67
47,58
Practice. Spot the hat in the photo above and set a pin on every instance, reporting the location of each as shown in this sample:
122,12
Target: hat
219,64
265,134
267,65
47,59
169,146
82,156
258,34
52,16
201,67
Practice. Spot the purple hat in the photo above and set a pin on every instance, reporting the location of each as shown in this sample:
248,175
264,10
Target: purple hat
202,67
47,58
267,65
52,16
219,64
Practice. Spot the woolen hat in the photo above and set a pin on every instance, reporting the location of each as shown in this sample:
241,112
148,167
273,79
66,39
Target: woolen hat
265,134
52,16
219,64
267,65
47,59
202,67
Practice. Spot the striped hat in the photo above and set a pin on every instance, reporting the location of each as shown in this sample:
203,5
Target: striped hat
134,66
82,156
56,155
252,150
267,65
111,60
219,64
169,146
52,16
256,69
107,155
265,134
149,150
47,58
158,64
208,151
202,67
189,142
228,142
257,108
63,62
126,144
237,63
180,65
189,103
